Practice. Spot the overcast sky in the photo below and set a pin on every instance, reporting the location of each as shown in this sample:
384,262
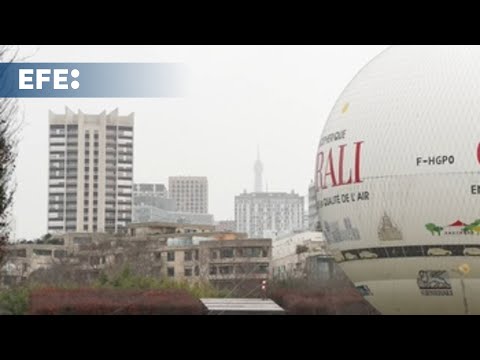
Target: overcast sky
276,97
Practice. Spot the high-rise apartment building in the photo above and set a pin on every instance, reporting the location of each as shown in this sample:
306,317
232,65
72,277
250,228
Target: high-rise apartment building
190,193
269,214
313,219
150,194
90,172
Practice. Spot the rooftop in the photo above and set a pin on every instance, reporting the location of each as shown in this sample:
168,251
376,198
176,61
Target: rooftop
219,306
165,224
268,195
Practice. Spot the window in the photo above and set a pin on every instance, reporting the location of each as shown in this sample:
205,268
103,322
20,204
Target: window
171,271
213,254
197,271
188,256
241,269
213,270
188,271
41,252
252,252
226,253
262,269
60,253
171,256
196,255
225,270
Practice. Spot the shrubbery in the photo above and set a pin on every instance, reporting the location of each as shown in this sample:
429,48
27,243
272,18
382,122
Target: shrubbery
113,302
126,279
312,297
121,293
317,302
14,301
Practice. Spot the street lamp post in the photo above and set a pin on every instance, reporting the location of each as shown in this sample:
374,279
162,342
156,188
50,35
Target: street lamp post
463,270
264,289
465,304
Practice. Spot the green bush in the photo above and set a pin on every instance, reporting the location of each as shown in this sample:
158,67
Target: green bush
15,301
125,279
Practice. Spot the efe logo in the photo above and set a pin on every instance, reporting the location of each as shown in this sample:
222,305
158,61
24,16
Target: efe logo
33,79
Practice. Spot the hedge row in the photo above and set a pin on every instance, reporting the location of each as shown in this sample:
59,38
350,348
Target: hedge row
321,302
50,301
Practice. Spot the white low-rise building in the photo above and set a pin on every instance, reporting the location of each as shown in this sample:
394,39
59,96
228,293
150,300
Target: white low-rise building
289,253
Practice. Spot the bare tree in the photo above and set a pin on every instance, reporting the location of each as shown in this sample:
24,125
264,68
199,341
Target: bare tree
8,116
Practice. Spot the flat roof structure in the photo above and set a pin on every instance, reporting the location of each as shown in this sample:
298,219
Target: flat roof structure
220,306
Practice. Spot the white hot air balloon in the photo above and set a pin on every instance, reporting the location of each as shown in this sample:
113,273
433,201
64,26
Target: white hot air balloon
398,179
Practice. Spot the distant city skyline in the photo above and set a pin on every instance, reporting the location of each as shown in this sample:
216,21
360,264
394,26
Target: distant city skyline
155,203
277,97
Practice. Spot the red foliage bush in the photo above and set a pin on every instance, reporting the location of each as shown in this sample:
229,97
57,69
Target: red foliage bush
297,301
50,301
296,304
